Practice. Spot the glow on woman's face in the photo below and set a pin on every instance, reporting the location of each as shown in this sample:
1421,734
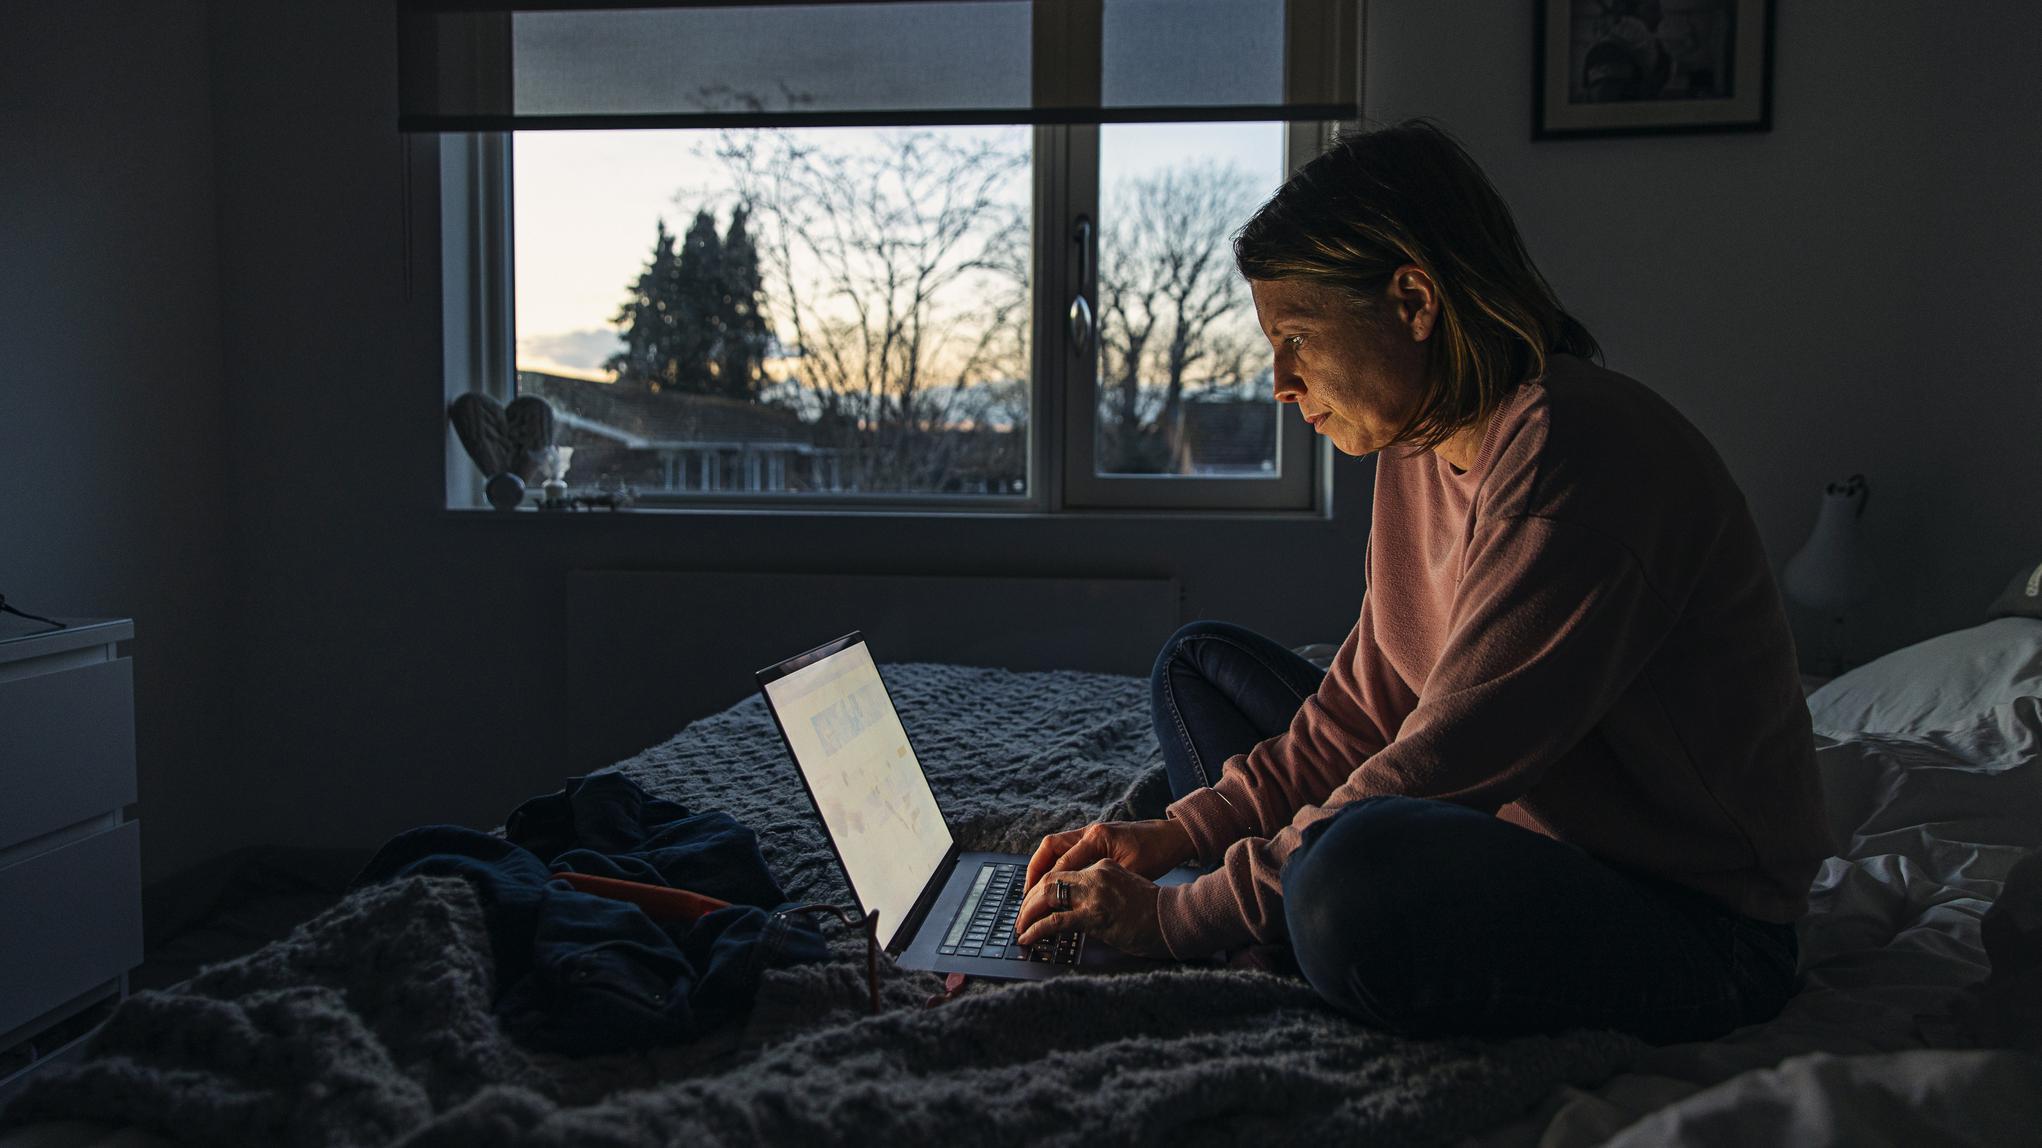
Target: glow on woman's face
1355,373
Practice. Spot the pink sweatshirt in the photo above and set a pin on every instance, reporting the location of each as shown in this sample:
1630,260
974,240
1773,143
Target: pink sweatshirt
1580,634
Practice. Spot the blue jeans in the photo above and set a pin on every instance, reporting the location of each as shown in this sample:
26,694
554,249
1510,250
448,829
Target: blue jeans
1217,689
1428,918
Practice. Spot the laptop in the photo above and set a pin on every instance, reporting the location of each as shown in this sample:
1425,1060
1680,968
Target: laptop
941,909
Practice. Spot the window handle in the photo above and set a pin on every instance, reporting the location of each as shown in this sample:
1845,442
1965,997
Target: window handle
1081,308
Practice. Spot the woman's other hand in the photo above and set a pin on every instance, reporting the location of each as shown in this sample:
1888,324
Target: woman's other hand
1108,902
1147,848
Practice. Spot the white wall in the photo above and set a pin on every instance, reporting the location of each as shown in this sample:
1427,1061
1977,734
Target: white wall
112,443
1853,291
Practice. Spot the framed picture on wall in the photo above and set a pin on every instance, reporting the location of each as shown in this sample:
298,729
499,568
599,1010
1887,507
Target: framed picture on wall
1650,67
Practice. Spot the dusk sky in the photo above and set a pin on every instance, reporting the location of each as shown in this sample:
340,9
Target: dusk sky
586,204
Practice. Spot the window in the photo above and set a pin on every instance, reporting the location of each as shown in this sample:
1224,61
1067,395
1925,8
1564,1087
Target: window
1177,408
1003,283
820,311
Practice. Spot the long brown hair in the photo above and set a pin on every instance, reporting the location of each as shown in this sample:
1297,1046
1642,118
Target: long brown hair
1410,194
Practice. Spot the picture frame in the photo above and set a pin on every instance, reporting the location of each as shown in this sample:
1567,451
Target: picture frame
1651,67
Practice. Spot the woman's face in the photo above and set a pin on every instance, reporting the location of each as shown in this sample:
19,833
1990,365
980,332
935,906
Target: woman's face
1356,374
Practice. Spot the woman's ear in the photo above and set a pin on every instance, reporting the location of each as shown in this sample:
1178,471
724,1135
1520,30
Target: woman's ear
1416,299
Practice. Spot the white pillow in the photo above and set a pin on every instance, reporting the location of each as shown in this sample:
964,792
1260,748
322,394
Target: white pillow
1938,684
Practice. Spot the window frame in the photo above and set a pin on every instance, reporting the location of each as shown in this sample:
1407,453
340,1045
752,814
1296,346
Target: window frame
1300,457
478,344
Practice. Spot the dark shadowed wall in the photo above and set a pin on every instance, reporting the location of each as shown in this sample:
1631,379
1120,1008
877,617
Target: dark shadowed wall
113,449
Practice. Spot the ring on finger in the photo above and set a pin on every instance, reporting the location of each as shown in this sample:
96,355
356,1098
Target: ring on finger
1063,895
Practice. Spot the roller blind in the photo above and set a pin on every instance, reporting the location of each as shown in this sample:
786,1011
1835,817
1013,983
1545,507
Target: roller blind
471,66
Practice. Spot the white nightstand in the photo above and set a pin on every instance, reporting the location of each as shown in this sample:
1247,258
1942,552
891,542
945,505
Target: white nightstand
70,857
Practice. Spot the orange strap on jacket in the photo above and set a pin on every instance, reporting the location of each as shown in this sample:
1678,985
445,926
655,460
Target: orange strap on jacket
660,902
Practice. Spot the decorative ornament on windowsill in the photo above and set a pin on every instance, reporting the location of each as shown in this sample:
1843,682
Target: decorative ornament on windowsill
1833,572
552,465
512,446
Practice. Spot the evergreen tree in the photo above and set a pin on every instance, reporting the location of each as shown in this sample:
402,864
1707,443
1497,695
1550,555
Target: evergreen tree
742,329
698,293
695,322
647,320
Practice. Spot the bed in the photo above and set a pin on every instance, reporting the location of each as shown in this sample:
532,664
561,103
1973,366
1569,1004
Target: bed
371,1024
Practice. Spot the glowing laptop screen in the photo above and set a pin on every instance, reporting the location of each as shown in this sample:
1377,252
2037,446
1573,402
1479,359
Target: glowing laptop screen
875,802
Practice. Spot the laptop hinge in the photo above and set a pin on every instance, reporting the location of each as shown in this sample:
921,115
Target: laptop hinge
923,903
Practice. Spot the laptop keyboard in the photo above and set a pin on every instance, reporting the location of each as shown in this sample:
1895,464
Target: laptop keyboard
984,925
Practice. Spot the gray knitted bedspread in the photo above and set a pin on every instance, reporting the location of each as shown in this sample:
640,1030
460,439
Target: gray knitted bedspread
371,1024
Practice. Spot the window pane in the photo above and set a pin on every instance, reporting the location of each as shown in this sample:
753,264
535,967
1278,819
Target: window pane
819,311
1179,53
1184,372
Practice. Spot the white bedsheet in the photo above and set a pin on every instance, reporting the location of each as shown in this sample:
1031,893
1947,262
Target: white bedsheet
1928,822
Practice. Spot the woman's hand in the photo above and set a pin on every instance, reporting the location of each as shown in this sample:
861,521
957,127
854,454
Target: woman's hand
1147,848
1107,901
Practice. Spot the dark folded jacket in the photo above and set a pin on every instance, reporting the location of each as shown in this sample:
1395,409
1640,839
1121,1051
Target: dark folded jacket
582,974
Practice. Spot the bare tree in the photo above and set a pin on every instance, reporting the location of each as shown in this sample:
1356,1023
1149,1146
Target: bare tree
900,273
1172,307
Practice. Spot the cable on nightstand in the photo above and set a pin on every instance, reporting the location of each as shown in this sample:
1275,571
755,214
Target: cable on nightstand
6,609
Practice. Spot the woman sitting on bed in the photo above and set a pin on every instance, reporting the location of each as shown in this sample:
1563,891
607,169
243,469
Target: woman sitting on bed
1561,773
